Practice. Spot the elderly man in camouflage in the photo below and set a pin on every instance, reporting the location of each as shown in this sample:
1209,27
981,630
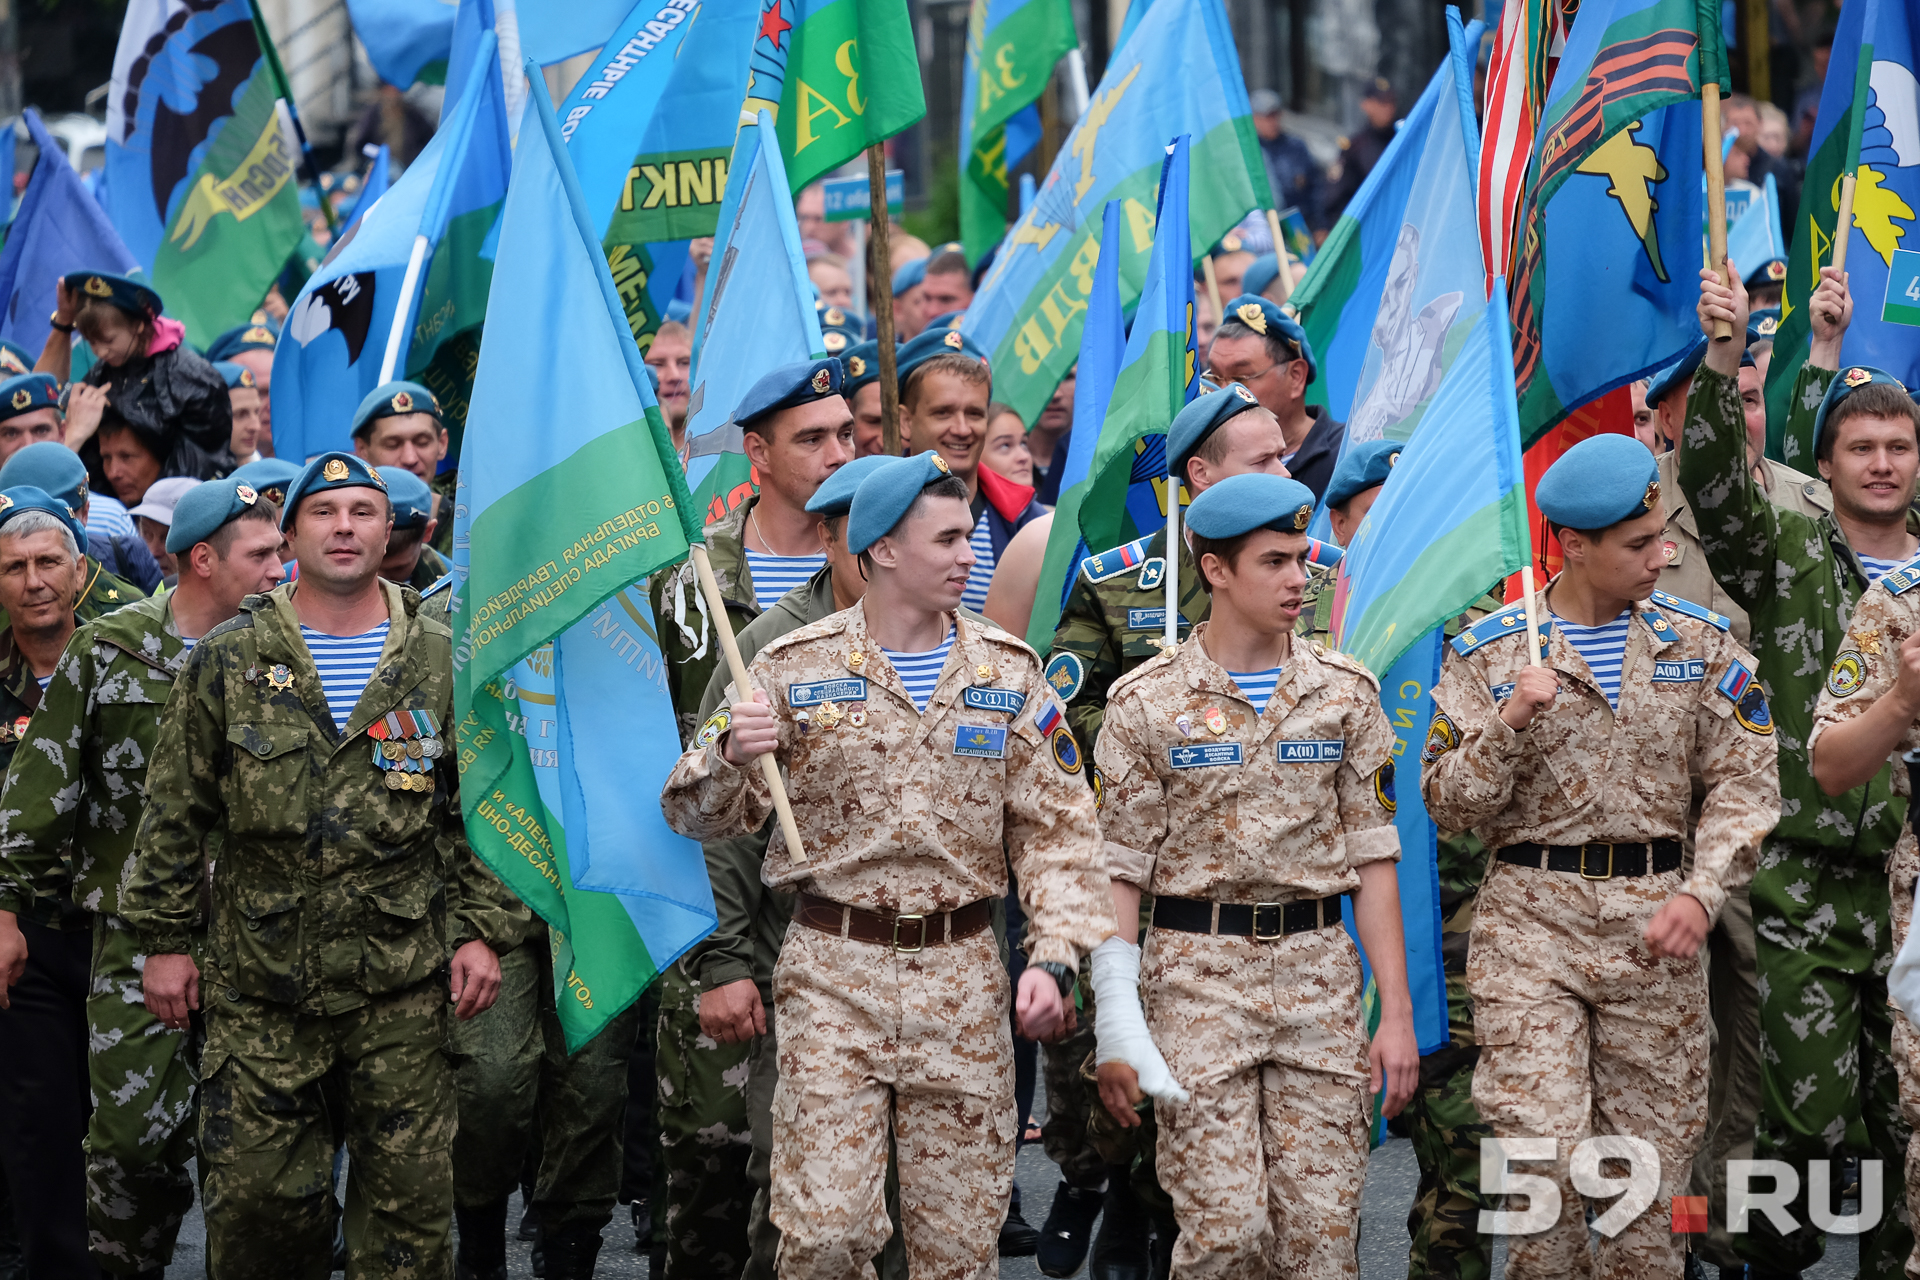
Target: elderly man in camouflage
1820,902
67,823
303,739
1248,785
1870,707
1575,767
925,753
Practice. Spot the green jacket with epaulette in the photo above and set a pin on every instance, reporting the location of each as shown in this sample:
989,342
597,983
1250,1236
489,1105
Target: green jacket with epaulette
73,797
330,888
687,641
1799,580
1114,616
19,695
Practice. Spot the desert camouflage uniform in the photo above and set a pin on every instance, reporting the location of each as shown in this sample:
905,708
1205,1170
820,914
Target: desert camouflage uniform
1820,907
1582,1029
1863,673
325,979
1264,1164
67,825
893,822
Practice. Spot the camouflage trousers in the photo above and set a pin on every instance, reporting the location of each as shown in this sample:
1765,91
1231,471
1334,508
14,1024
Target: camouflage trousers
518,1085
1583,1031
1828,1083
916,1043
275,1083
1264,1163
1733,1074
705,1138
1072,1101
1445,1127
140,1137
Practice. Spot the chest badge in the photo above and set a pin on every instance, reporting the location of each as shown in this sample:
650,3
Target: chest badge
828,715
281,677
856,660
857,718
1216,721
1184,723
984,673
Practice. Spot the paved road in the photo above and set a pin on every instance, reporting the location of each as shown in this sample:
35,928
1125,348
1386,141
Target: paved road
1391,1179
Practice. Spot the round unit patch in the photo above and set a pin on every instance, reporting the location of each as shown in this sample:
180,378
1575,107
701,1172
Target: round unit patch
1441,738
1066,673
1751,710
1383,787
717,723
1847,675
1066,752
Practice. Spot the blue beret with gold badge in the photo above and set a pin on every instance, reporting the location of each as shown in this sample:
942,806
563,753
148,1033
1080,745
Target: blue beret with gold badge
1203,416
124,292
932,343
326,472
15,359
862,365
27,392
50,467
1845,383
834,497
203,509
391,400
801,382
885,494
839,328
270,477
242,337
15,499
1256,500
1364,466
235,375
1600,482
1270,320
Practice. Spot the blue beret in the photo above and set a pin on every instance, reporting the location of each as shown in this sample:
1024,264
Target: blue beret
1257,500
411,498
931,343
909,275
272,477
1845,383
1200,419
392,399
243,337
839,328
204,508
947,320
884,496
1662,383
1772,271
329,471
15,499
15,359
802,382
1263,271
862,365
1600,482
50,467
1364,466
27,392
236,375
1763,324
1268,319
834,497
122,291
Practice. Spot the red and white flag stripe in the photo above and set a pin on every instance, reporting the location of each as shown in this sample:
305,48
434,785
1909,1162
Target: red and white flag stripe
1516,83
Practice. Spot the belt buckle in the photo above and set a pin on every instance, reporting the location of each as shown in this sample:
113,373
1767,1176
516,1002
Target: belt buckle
918,946
1279,910
1596,844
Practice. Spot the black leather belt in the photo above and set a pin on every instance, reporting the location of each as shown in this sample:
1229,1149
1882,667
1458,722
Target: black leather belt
1598,859
1261,921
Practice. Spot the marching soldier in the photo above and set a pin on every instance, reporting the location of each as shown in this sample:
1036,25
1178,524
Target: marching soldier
58,471
398,424
942,736
410,557
1261,347
1823,934
304,737
1574,767
66,837
1248,785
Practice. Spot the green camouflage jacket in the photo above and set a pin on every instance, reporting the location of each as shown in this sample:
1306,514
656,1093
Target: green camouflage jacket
330,887
1799,581
431,569
19,695
1115,614
444,485
681,621
73,797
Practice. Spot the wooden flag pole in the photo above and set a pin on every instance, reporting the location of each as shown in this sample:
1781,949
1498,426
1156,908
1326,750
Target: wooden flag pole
1213,290
769,768
1856,120
1845,224
1716,196
1286,257
882,290
1533,616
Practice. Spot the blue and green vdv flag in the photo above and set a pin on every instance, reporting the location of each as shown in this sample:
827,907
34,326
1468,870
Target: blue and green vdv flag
1011,48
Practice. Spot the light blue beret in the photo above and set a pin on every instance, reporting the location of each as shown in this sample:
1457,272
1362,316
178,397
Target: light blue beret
801,382
1257,500
236,375
270,476
27,392
1269,319
947,319
16,359
1364,466
242,337
909,275
124,292
15,499
839,328
329,471
884,496
1264,271
1599,482
390,400
934,342
412,500
50,467
1845,383
834,497
1203,416
204,508
1772,271
862,365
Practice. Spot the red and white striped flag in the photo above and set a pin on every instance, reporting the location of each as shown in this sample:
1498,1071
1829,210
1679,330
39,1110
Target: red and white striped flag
1517,79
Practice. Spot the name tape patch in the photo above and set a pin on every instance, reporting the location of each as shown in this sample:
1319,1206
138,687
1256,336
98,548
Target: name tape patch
1150,620
847,689
981,741
1203,755
1687,671
987,699
1310,751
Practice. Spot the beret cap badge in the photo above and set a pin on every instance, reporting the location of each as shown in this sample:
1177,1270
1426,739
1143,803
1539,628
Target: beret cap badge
940,465
334,470
952,339
1768,326
22,398
402,403
1651,496
821,381
1242,392
99,288
856,366
1858,377
1776,270
1302,517
246,494
1252,316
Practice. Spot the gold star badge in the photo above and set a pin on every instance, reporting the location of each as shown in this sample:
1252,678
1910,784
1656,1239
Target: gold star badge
1252,316
1216,721
1302,516
820,381
22,398
857,717
334,470
403,402
281,677
1776,270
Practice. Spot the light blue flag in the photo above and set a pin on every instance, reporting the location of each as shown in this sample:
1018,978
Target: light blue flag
379,178
559,679
59,228
556,30
337,330
473,18
404,38
757,315
1756,238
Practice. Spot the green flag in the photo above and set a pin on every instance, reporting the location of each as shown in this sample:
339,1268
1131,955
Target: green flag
1011,48
837,76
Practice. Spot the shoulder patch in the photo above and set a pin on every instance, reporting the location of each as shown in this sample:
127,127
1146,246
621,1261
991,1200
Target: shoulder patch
1658,624
1113,563
443,583
1903,579
1323,554
1749,700
1507,622
1667,600
1066,672
1153,574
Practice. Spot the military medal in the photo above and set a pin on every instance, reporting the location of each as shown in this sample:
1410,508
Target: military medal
1216,721
281,677
856,660
1184,723
253,673
829,714
857,717
405,745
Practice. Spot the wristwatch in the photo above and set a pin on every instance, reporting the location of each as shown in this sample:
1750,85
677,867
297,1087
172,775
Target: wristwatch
54,320
1063,976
